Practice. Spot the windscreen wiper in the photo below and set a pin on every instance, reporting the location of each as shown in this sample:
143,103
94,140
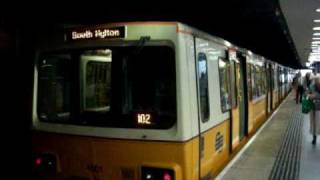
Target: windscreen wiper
141,43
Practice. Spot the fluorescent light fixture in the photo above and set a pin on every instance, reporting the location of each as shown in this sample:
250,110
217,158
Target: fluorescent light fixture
315,42
228,44
318,10
316,20
316,28
316,38
316,34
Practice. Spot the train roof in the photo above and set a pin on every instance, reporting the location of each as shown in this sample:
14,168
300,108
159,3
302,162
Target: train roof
182,28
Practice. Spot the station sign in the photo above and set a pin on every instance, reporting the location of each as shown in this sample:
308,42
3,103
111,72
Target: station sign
95,33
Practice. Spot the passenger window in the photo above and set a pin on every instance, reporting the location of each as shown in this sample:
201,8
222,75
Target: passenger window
275,79
203,87
258,81
224,78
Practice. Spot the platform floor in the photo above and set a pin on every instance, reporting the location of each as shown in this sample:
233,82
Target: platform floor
281,149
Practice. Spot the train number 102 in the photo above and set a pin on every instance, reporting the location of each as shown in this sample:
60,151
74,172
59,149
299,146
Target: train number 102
144,118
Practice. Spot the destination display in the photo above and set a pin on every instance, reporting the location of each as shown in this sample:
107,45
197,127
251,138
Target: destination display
95,33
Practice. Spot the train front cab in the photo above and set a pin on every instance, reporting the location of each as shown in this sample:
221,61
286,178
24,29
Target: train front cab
155,103
131,115
183,133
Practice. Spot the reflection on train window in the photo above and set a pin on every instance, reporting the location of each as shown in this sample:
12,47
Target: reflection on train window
54,88
125,87
203,87
97,89
275,78
224,78
258,81
235,83
272,77
285,76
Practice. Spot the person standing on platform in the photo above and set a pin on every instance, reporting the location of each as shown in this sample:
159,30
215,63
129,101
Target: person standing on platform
295,85
307,82
314,95
299,88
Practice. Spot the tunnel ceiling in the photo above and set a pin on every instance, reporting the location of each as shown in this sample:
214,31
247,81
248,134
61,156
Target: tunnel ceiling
257,25
300,16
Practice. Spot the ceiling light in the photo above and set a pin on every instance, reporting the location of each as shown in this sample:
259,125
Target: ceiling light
316,28
316,38
318,10
316,20
316,34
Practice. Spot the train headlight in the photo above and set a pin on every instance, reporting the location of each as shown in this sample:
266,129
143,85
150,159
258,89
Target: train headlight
151,173
45,162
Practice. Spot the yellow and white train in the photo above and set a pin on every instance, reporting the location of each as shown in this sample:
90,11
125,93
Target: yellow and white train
146,100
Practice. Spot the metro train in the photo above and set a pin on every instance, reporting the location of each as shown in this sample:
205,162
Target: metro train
146,100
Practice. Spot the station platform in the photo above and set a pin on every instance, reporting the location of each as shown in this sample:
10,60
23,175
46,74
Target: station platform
280,150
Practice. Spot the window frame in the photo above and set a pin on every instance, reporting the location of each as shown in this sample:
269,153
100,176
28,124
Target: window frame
75,114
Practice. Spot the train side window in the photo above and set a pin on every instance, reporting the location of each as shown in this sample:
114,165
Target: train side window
224,79
258,81
203,87
275,78
235,84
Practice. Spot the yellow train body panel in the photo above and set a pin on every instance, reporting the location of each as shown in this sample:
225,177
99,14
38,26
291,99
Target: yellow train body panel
215,159
117,159
122,159
257,114
235,127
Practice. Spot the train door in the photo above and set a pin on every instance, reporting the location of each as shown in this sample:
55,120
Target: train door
267,73
279,85
270,85
242,95
213,78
